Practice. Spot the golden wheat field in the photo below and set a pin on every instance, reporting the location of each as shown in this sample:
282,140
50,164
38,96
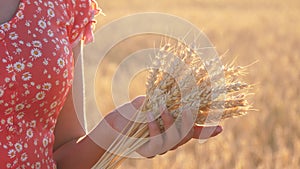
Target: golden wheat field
249,30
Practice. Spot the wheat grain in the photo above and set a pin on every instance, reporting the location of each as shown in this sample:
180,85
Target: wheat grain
180,80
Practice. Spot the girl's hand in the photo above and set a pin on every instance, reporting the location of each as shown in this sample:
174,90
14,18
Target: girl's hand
159,142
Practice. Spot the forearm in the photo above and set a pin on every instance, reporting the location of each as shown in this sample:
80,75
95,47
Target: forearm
83,153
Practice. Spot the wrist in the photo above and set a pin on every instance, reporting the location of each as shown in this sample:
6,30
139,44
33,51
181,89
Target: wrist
104,133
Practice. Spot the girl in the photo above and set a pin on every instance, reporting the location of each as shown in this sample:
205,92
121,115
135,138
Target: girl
39,43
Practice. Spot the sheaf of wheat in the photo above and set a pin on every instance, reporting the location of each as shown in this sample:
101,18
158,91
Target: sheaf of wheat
179,79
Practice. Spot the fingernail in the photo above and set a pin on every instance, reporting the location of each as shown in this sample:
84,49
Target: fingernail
162,110
150,117
219,129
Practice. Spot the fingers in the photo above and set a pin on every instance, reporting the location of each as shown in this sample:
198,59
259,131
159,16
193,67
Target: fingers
171,135
159,143
153,126
187,128
201,132
129,109
167,118
153,147
138,101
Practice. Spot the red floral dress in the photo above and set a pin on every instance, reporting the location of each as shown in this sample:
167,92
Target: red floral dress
36,72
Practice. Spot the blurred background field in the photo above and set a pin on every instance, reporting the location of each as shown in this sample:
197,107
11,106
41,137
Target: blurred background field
263,30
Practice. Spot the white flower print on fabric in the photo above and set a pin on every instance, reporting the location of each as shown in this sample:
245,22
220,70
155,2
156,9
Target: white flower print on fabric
50,33
40,95
29,133
20,107
13,36
12,153
5,26
61,62
36,44
24,157
36,68
18,147
20,15
46,86
9,68
53,105
26,76
67,51
50,13
36,53
19,66
42,24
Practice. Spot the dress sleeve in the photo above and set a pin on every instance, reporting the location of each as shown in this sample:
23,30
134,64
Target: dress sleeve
81,23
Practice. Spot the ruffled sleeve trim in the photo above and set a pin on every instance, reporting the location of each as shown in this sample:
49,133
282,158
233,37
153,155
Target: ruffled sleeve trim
84,25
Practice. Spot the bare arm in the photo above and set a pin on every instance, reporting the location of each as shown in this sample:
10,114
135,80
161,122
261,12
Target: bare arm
75,150
68,151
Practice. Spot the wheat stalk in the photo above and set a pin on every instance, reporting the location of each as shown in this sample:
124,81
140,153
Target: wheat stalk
178,83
